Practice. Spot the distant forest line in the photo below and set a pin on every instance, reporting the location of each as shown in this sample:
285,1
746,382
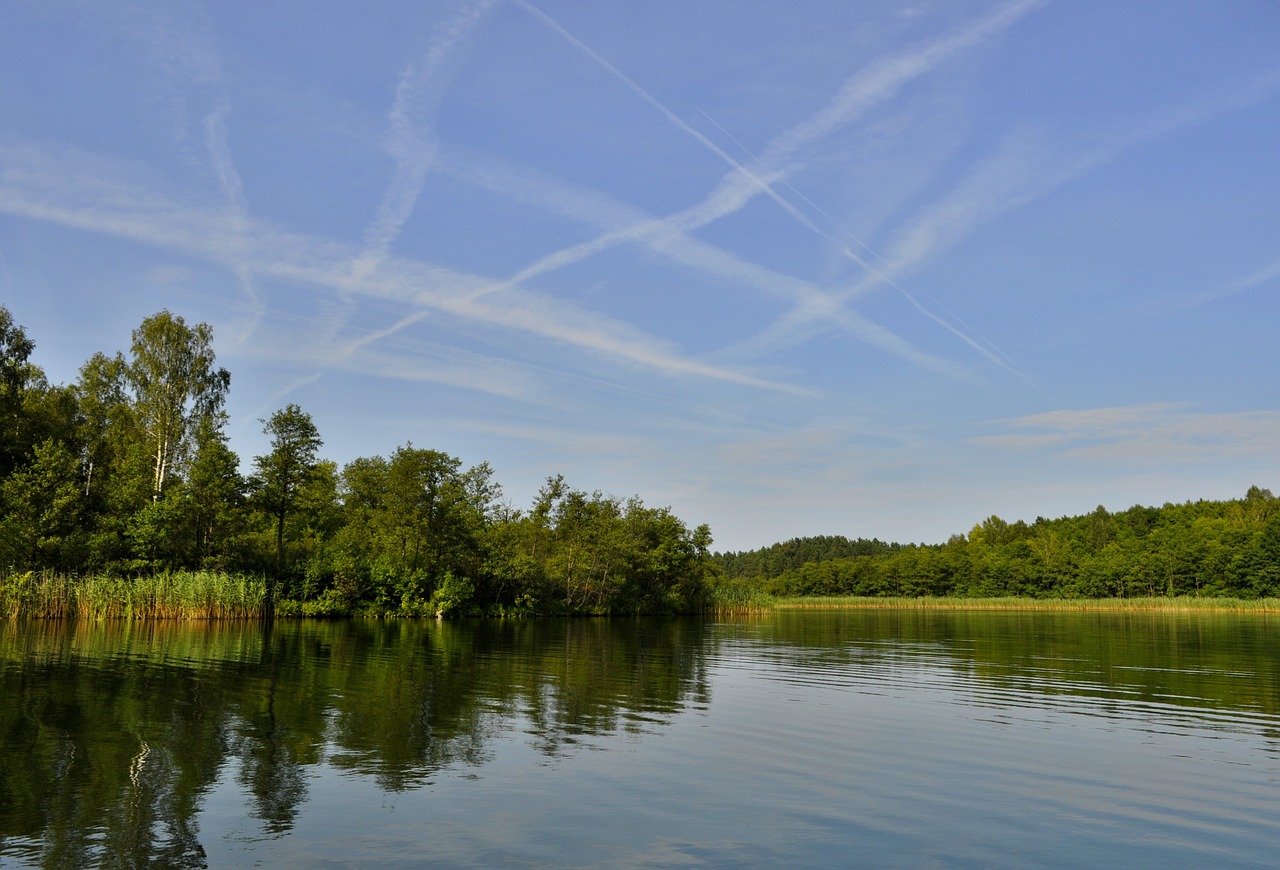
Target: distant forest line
1205,548
120,495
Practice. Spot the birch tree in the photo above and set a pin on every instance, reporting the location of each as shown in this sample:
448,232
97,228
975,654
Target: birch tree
175,384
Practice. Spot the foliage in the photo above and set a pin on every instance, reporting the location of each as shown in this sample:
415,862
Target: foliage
126,480
175,385
128,474
1199,549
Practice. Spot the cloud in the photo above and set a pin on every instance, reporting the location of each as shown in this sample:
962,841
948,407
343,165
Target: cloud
875,84
757,182
410,138
1031,162
237,214
178,43
1148,434
1027,164
560,197
571,440
884,78
881,80
1260,278
85,192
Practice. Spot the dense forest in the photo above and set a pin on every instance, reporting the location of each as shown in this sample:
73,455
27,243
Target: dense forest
1204,548
127,472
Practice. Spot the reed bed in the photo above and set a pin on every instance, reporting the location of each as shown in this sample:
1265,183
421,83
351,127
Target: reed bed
1171,604
735,599
170,595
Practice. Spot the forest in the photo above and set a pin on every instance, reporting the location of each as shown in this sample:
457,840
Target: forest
122,487
1228,549
120,495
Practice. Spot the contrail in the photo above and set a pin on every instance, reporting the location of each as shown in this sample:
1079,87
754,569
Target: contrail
859,93
992,353
410,140
760,184
215,125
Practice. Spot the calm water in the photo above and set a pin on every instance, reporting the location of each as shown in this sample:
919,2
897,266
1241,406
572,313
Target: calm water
874,738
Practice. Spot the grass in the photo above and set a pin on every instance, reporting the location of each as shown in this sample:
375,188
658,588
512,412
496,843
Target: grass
730,598
1173,604
219,595
170,595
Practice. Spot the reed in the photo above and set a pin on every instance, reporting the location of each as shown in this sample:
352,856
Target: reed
170,595
1172,604
733,599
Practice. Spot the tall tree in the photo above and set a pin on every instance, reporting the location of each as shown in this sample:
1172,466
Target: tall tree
282,474
15,373
212,493
175,384
41,510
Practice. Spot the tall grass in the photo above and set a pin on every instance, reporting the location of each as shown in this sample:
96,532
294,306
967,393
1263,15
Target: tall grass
170,595
729,598
1176,603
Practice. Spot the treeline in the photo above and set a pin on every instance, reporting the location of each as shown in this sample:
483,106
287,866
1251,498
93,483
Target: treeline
1204,548
127,472
770,562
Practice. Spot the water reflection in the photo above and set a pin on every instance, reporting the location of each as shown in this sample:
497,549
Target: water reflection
112,735
1211,670
113,732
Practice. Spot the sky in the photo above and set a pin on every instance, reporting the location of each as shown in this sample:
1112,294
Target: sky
874,269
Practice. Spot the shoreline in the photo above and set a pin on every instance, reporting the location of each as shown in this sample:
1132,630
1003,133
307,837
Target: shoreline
1176,604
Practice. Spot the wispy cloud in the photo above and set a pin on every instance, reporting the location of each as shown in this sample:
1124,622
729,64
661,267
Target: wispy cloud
1031,163
1262,277
572,439
1027,164
872,86
758,183
237,214
178,42
879,82
411,139
1147,434
276,399
560,197
82,191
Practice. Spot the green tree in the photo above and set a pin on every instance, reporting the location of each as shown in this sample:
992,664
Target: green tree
41,510
212,497
115,461
16,373
413,520
281,475
175,384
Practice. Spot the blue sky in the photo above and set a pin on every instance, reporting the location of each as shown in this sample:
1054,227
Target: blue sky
863,268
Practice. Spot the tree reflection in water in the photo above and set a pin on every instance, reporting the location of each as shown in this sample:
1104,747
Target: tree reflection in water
112,734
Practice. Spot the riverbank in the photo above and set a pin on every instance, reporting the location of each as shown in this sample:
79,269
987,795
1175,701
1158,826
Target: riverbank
170,595
197,595
1178,603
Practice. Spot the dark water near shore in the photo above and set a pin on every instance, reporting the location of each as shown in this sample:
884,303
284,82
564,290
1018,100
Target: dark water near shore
873,738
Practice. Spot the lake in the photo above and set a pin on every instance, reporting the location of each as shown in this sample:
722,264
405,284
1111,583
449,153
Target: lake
899,738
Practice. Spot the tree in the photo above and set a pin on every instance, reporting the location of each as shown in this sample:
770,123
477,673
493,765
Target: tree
416,519
212,493
41,509
175,384
281,475
106,419
15,373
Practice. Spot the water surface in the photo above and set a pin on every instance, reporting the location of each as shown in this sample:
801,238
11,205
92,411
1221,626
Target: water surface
881,738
